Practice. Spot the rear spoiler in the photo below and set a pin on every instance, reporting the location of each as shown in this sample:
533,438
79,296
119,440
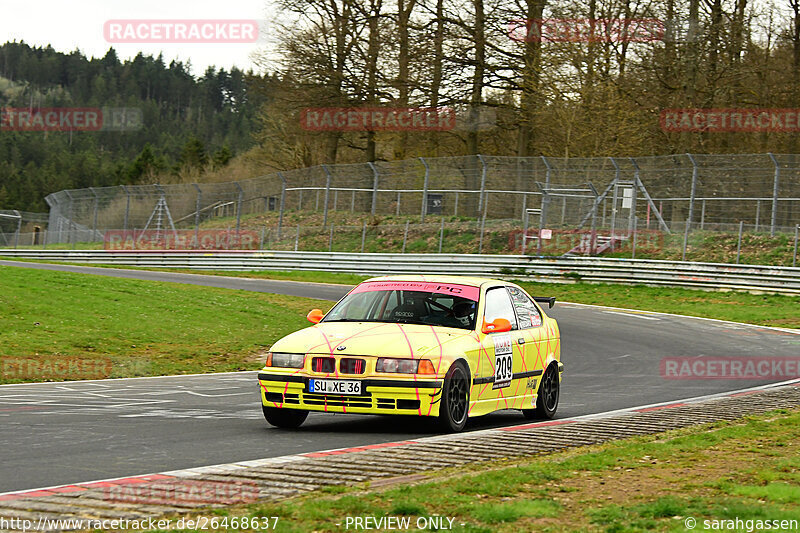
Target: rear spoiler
550,300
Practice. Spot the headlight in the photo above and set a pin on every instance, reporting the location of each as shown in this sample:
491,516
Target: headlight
404,366
285,360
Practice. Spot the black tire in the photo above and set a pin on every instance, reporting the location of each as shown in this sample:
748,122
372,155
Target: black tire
284,418
454,410
547,397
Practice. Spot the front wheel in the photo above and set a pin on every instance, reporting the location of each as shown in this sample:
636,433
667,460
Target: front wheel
455,399
284,418
547,398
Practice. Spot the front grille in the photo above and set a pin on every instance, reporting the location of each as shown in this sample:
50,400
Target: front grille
337,401
408,404
352,366
385,403
325,365
277,397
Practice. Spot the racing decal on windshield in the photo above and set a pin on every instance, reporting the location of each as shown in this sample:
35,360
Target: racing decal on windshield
464,291
503,361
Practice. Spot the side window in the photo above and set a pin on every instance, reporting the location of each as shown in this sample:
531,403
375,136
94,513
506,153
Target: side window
527,312
498,305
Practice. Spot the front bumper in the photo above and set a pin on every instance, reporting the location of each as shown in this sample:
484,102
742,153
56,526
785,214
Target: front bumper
380,396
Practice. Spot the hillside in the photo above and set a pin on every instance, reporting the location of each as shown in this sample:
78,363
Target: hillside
187,123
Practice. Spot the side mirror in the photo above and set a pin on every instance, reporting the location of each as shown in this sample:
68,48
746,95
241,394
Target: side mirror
499,325
315,315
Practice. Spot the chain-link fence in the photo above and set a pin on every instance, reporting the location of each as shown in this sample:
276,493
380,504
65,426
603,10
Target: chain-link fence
22,229
672,194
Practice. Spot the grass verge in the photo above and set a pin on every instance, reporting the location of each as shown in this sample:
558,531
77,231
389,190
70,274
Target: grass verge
109,327
761,309
747,470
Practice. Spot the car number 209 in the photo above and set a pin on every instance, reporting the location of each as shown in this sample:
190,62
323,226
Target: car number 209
334,386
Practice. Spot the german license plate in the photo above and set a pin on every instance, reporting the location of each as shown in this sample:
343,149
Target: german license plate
335,386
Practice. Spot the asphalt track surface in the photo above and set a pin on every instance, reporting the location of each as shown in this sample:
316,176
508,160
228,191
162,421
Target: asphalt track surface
56,434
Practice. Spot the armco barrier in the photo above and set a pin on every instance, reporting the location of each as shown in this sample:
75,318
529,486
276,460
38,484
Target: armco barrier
710,276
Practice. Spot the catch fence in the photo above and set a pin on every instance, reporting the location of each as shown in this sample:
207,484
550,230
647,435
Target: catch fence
673,194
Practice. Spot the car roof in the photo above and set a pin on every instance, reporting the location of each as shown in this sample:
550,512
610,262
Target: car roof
459,280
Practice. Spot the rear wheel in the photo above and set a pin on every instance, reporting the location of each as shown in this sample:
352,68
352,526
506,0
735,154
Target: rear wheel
284,418
454,409
547,398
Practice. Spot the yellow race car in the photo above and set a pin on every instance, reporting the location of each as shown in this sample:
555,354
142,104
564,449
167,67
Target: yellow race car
446,346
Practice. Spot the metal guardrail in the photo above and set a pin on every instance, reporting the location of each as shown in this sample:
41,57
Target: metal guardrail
709,276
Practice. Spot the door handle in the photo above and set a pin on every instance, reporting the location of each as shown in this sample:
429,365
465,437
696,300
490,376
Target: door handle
521,341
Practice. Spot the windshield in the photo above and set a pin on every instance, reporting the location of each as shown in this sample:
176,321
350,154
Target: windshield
433,304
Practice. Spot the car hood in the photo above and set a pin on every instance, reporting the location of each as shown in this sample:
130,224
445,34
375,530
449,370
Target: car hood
371,339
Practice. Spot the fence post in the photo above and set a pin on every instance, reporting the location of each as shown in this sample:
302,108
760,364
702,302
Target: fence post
634,195
775,184
593,230
283,203
739,243
330,239
633,248
758,214
425,190
455,209
441,236
363,236
327,194
71,211
94,216
198,203
545,197
239,206
374,187
690,216
702,213
19,228
794,257
614,200
483,184
297,238
483,224
405,235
